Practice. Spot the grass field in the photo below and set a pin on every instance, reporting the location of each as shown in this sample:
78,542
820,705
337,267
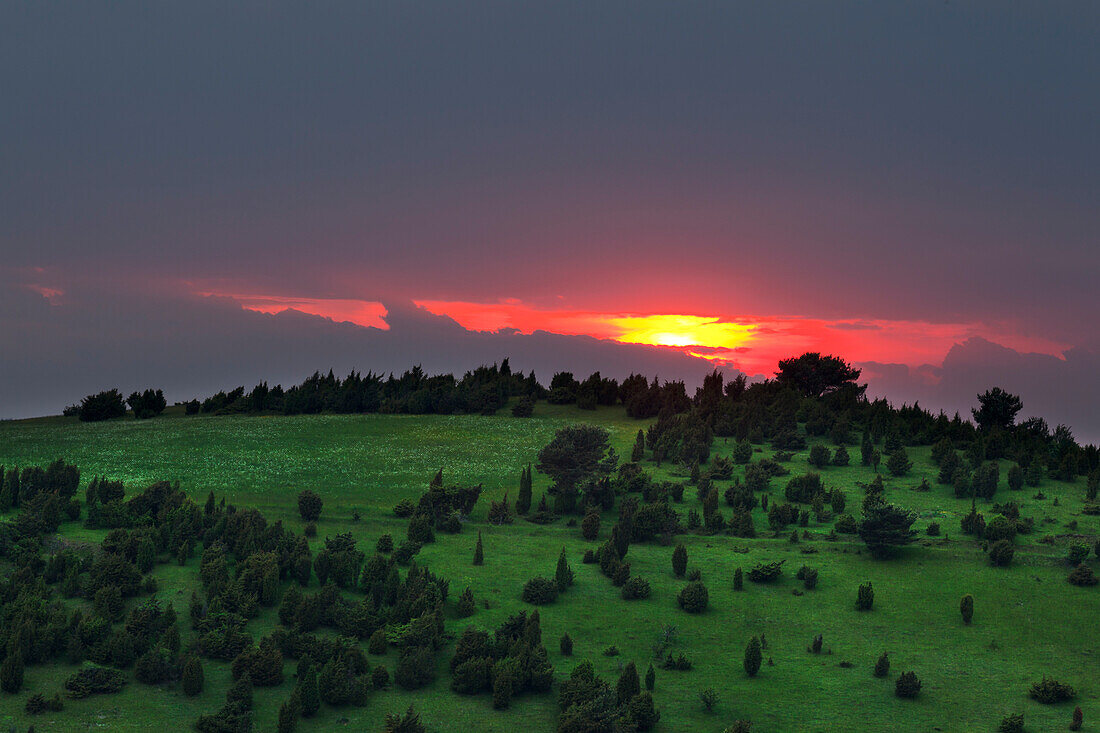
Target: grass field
1028,621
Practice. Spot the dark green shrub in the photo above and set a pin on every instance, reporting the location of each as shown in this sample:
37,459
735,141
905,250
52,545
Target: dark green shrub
1012,724
540,591
642,712
966,608
464,608
679,561
693,598
766,572
882,666
565,645
635,589
808,576
754,657
1082,575
865,597
404,509
1001,553
590,525
407,723
1078,553
502,690
94,681
193,678
563,575
385,544
847,524
11,672
415,668
1049,691
907,686
309,506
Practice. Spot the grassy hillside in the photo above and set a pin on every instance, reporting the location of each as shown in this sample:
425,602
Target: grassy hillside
1028,620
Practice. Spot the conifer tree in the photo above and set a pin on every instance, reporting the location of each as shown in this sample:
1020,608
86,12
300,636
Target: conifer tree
966,608
738,579
638,453
882,666
566,645
310,695
289,712
865,598
11,672
628,685
523,498
502,690
754,657
866,448
564,574
479,553
679,560
193,680
650,678
590,525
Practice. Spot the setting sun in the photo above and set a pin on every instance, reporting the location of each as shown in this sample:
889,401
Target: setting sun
681,330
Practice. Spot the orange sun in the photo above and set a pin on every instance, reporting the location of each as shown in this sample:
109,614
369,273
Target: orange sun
680,330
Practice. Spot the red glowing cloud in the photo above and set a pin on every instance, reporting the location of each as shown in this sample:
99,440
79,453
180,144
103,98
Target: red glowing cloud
367,313
750,343
753,344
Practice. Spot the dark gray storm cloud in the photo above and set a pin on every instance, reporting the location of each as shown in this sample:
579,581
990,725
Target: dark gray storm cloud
932,162
191,347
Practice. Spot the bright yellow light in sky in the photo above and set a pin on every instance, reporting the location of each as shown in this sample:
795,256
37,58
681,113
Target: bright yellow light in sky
677,330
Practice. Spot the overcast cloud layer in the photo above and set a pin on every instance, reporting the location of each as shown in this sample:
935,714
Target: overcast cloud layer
923,162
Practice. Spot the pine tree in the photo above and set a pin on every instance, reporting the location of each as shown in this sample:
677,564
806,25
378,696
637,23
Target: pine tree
193,679
650,678
1078,719
679,560
564,574
479,553
565,645
310,695
866,448
865,598
289,712
11,672
590,525
754,657
966,608
738,579
882,666
523,498
638,453
7,493
628,685
464,608
502,690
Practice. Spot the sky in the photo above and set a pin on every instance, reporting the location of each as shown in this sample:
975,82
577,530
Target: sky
200,195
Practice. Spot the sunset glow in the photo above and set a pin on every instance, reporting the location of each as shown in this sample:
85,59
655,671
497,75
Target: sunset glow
750,343
367,313
681,330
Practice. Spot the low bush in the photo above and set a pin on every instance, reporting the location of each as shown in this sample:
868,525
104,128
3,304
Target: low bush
693,598
540,591
1049,691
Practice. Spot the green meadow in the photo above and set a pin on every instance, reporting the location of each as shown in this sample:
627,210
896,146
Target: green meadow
1028,621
